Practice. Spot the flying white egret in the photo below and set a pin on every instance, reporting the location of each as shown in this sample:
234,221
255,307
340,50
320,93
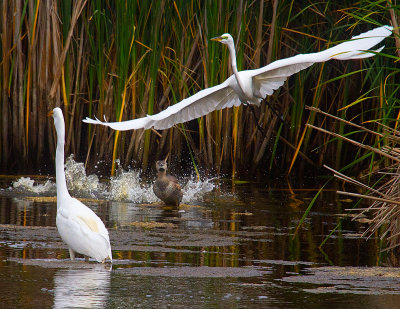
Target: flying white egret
79,227
250,86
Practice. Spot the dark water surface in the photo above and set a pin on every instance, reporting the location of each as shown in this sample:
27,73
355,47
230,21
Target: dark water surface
228,248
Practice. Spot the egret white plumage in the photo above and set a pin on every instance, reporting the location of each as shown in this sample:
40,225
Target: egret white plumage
79,227
250,86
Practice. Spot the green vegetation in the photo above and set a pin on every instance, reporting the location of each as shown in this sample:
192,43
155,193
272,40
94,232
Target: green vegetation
126,59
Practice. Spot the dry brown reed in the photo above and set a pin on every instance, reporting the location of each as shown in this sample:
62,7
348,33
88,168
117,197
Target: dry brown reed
126,59
383,195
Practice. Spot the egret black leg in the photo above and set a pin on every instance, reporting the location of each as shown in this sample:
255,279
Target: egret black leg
275,111
260,128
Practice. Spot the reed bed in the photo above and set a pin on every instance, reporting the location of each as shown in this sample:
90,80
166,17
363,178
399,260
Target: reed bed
378,186
126,59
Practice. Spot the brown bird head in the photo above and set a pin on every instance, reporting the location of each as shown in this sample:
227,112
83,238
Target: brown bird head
161,166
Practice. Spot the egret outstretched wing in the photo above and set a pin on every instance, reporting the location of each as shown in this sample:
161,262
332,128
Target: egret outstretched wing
250,86
199,104
272,76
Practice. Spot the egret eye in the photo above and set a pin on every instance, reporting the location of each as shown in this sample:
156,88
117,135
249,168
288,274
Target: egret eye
240,86
79,227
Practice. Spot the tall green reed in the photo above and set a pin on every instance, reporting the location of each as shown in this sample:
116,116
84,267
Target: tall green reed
166,45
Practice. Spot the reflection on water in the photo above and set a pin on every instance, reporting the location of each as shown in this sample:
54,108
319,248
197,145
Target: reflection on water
122,213
82,288
196,218
177,256
188,216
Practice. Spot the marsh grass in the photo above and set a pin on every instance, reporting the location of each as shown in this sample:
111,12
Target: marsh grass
126,59
378,186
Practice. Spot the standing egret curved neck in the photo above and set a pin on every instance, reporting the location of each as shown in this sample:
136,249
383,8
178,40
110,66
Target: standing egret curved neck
60,173
232,53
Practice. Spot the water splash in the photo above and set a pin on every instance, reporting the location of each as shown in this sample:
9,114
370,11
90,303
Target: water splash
129,186
77,180
126,186
27,184
195,189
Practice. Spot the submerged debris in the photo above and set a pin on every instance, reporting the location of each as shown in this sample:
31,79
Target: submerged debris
344,280
53,199
152,224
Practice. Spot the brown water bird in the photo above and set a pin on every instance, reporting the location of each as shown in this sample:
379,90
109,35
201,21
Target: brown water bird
166,187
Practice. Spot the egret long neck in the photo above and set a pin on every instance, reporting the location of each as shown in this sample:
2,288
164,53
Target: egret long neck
60,173
232,53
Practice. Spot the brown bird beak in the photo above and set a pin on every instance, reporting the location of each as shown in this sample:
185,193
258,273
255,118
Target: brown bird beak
165,160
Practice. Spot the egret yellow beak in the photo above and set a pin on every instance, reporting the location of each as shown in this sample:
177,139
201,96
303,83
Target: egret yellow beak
218,39
50,114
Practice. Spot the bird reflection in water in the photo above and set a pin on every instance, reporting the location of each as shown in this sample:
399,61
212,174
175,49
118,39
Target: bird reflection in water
82,288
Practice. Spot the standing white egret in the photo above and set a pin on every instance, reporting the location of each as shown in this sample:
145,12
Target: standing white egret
250,86
79,227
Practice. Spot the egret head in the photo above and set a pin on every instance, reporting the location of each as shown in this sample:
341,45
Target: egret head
161,166
57,115
225,38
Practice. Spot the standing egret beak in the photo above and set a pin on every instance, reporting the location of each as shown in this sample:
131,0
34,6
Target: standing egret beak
50,114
